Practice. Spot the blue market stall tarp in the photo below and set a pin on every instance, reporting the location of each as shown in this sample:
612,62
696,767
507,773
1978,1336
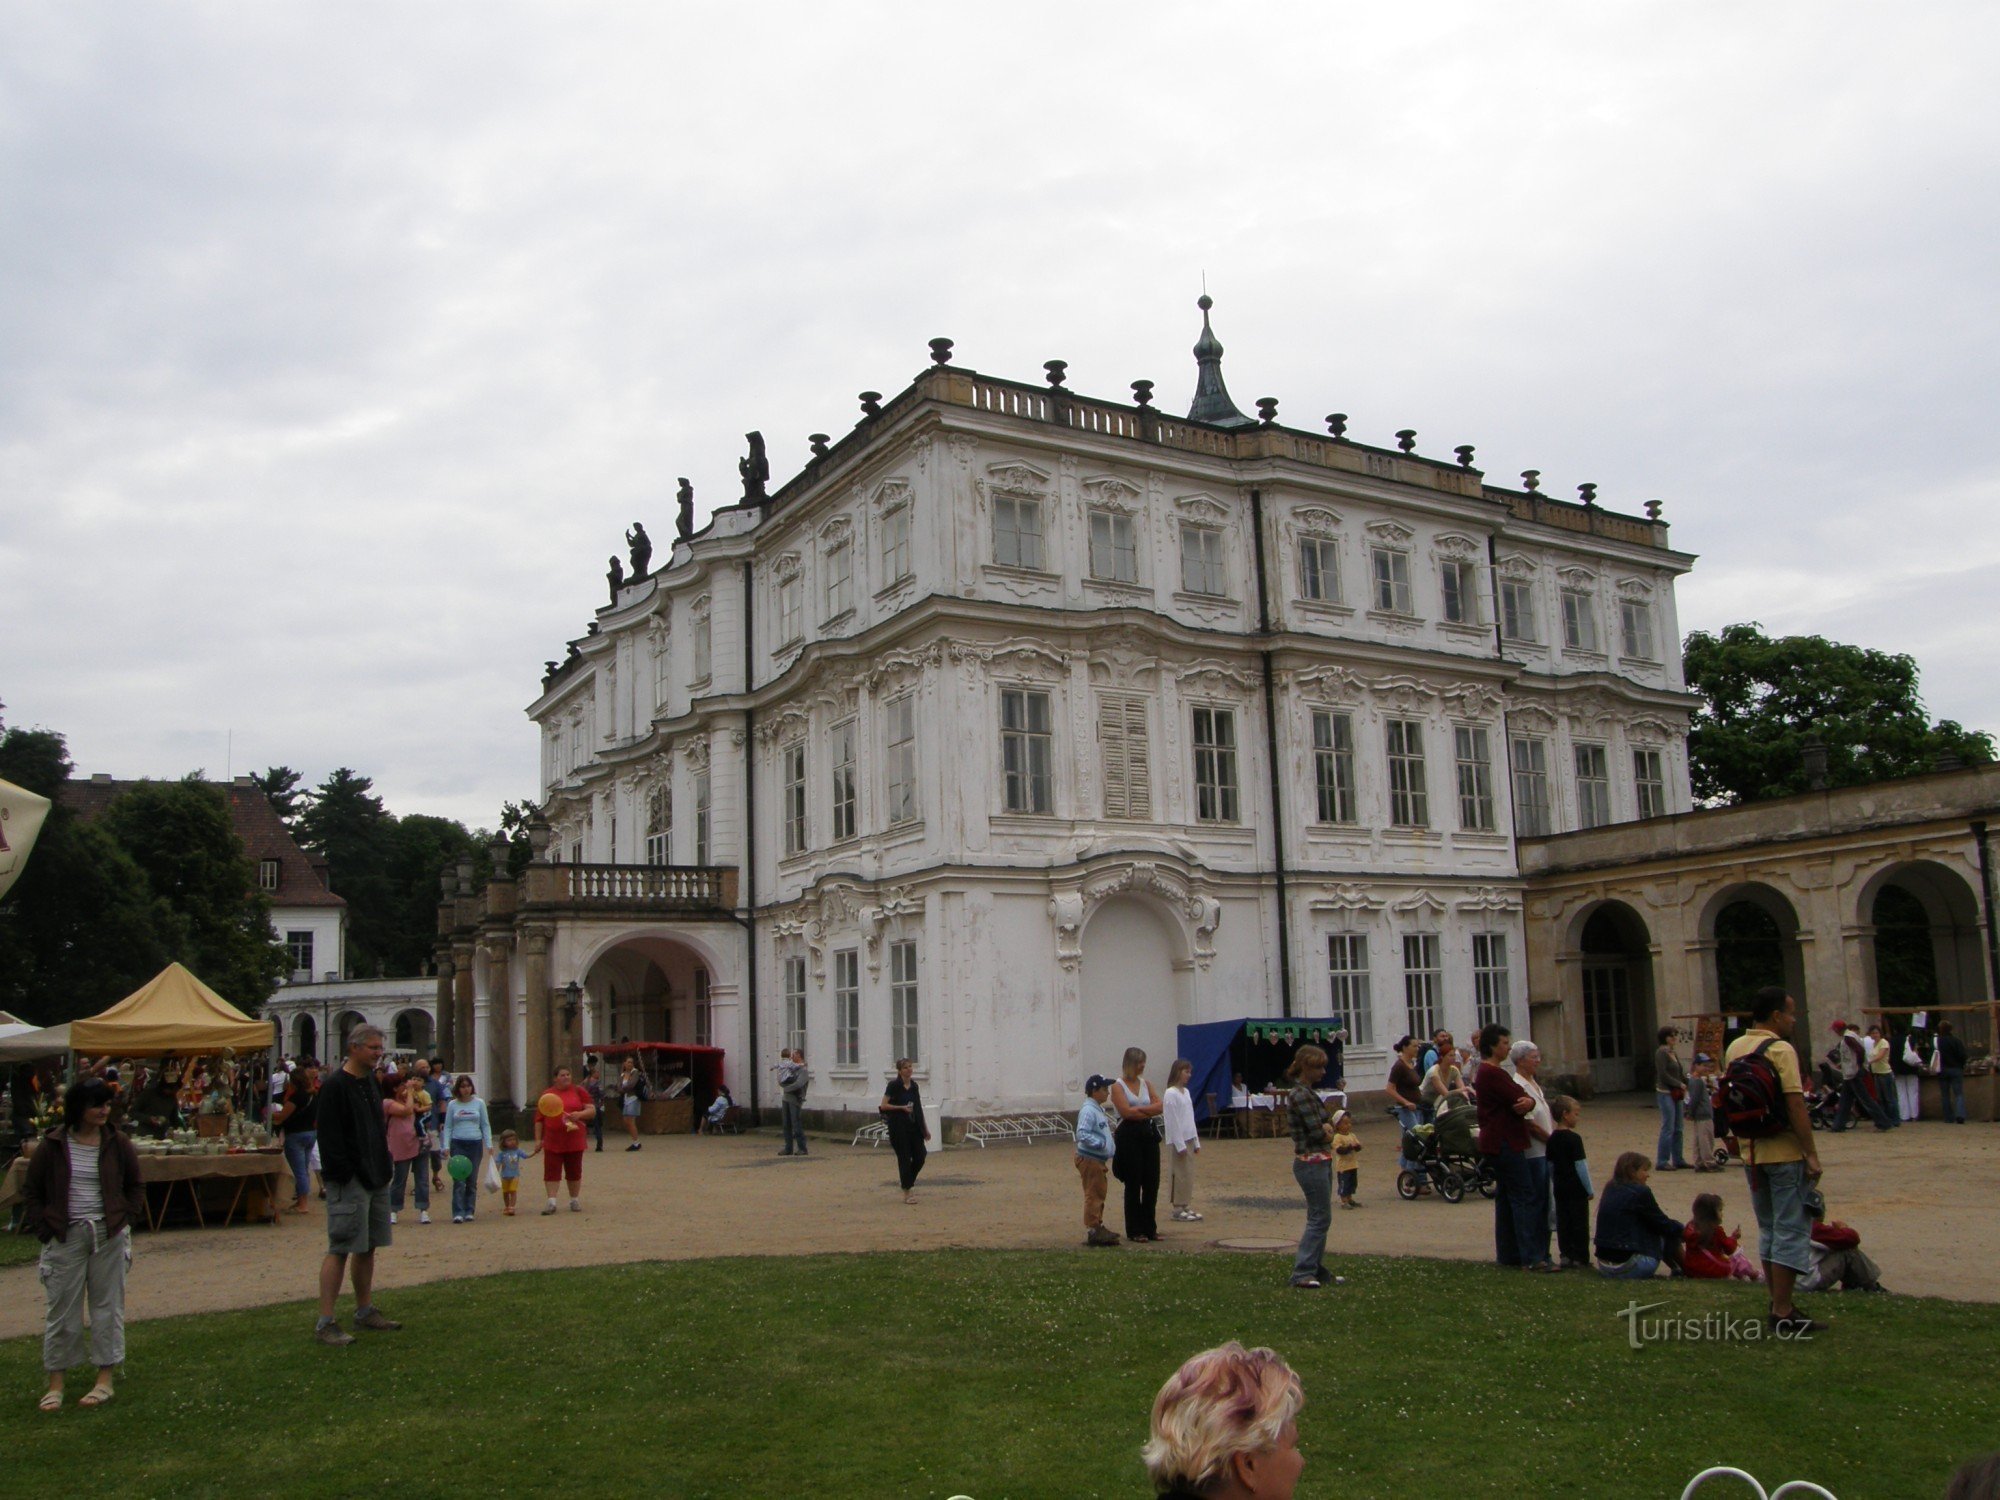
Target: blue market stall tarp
1213,1047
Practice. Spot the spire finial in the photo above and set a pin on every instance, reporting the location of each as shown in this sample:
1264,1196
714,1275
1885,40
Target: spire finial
1211,396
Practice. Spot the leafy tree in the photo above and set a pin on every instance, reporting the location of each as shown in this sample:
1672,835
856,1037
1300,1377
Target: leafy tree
1764,699
281,788
423,846
349,826
81,928
181,834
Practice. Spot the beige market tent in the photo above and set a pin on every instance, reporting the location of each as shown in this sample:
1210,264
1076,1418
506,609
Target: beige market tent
175,1012
29,1044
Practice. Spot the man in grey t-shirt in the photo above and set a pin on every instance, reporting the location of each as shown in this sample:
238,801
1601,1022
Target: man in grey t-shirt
793,1079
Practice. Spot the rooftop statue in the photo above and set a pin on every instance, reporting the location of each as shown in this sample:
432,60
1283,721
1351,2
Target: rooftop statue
684,517
755,469
615,575
642,550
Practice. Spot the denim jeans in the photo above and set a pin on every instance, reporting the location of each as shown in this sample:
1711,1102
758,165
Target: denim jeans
1669,1152
795,1129
1951,1093
465,1195
298,1156
1542,1208
1638,1268
1885,1092
1514,1212
1315,1179
1858,1097
410,1172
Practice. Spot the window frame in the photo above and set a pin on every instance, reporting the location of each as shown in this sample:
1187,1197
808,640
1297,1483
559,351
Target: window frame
659,824
1649,792
1492,1001
1205,568
1531,778
1027,788
843,792
791,609
1579,619
900,792
1518,620
895,545
1118,550
702,826
1333,767
792,796
1423,982
1466,588
1474,777
1389,574
1593,789
1635,630
1027,533
1409,787
905,1020
299,942
793,985
1319,564
847,1008
1218,789
837,593
1348,987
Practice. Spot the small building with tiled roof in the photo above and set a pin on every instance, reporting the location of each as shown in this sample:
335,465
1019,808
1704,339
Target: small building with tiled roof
306,915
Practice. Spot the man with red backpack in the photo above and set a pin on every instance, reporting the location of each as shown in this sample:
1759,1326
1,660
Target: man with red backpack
1762,1098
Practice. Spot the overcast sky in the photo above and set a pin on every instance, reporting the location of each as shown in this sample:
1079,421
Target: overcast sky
339,344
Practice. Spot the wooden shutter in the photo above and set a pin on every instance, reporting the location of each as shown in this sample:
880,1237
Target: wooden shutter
1128,768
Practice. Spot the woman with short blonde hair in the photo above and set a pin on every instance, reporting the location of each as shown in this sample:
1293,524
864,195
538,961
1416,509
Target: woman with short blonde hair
1225,1427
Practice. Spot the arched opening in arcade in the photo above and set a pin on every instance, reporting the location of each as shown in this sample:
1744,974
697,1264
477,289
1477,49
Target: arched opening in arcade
411,1031
1927,953
1615,957
652,998
343,1023
1755,932
305,1036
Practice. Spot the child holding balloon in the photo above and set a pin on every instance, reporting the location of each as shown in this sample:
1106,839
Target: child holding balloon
509,1156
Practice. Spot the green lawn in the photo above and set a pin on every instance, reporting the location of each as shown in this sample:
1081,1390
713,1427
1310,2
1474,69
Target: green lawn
1009,1374
18,1249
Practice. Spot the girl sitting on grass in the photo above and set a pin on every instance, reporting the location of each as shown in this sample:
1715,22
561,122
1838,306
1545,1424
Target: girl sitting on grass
1709,1252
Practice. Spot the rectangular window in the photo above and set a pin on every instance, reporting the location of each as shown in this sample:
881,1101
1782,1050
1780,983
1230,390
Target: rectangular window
1017,532
1579,620
901,780
1649,783
1127,757
903,1031
793,798
663,659
1333,765
791,611
1114,547
1215,796
1635,628
1392,581
299,951
1475,778
703,653
840,750
847,1008
839,578
1423,982
1319,569
704,1026
795,1004
701,850
659,825
1489,979
1201,560
1026,750
1531,787
267,874
1461,592
1517,610
1409,802
1347,972
1593,787
896,545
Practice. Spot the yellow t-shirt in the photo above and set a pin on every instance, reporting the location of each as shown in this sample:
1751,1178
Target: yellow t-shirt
1346,1148
1879,1063
1771,1150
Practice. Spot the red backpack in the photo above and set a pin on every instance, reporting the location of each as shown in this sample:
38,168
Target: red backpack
1750,1097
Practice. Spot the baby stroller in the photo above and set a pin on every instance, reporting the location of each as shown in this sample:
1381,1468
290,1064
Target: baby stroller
1456,1116
1823,1100
1420,1145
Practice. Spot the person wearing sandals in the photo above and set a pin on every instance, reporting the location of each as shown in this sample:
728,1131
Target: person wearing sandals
82,1194
1312,1163
1183,1141
1136,1156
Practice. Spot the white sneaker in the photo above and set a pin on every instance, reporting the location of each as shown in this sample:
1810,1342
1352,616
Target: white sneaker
458,1218
576,1205
424,1217
392,1218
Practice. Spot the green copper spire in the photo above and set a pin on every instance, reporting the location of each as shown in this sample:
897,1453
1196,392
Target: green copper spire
1211,396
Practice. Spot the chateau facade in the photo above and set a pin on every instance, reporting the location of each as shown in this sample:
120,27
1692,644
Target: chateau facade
1021,726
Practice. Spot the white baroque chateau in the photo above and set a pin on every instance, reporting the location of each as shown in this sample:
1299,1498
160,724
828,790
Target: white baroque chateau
1021,726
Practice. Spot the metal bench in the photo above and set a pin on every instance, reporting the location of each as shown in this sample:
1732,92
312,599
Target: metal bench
875,1133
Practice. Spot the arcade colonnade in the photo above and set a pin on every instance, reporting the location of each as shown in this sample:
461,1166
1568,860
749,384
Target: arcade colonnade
1858,901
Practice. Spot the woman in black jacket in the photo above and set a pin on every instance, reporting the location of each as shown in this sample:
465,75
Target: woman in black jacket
1634,1237
82,1194
902,1110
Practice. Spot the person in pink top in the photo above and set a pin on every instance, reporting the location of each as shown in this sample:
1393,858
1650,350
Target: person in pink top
399,1118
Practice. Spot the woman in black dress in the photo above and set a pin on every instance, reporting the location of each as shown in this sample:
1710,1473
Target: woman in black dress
903,1112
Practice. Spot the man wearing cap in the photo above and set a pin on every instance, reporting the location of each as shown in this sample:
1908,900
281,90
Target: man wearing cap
1093,1157
1850,1055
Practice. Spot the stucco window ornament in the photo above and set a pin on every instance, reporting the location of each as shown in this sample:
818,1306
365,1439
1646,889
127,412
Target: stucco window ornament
894,670
896,904
695,751
1530,716
1422,904
1390,533
787,724
1198,912
1214,678
1491,900
1331,684
892,494
1317,520
1402,694
1202,508
1108,493
1345,896
1473,700
1015,659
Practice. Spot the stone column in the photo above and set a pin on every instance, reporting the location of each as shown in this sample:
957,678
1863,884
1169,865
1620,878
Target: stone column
464,1041
496,1034
446,1033
535,978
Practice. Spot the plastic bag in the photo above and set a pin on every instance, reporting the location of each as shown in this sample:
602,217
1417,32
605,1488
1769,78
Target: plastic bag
490,1178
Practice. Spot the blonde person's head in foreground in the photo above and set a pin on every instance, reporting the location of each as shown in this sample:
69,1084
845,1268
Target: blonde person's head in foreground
1225,1427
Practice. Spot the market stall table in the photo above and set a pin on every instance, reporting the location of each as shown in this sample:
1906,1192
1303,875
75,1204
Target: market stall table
167,1177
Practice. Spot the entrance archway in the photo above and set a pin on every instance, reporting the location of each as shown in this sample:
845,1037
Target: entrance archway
1755,930
305,1036
1131,990
647,989
1618,1019
411,1032
343,1023
1926,944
